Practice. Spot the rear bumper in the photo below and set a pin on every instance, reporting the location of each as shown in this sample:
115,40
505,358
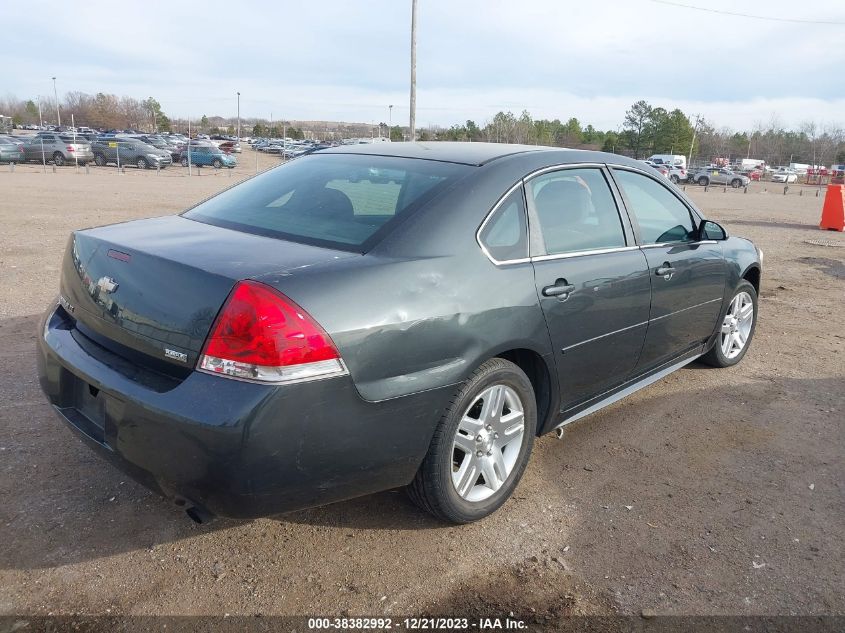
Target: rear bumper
80,156
235,448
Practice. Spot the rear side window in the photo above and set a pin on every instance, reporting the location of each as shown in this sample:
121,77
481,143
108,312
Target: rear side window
334,200
662,217
576,211
505,234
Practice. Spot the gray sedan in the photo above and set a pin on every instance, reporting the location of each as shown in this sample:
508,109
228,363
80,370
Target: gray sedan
374,316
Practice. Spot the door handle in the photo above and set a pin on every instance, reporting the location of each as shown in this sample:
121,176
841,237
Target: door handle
560,289
666,271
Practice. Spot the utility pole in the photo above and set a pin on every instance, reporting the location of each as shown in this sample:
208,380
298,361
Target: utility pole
413,120
56,95
389,120
239,116
692,143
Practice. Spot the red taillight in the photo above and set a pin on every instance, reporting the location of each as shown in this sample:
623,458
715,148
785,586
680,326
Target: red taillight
70,148
262,335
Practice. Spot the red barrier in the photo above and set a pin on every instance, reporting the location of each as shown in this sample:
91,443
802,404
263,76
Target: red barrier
833,212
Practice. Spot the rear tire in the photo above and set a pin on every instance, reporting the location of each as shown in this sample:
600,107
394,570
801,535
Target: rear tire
703,181
736,329
100,160
675,180
184,162
448,465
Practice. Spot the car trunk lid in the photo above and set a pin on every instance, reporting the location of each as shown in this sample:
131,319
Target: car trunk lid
151,289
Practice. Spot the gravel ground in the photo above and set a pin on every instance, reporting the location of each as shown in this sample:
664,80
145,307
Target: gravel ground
711,492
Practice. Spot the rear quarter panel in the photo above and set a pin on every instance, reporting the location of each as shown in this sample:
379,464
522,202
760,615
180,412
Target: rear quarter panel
426,307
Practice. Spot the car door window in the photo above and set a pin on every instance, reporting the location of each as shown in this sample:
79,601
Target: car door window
505,235
661,216
576,211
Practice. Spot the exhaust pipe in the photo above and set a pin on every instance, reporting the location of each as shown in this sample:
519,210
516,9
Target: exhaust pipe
199,515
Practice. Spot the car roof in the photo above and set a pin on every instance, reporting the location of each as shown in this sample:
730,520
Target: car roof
446,151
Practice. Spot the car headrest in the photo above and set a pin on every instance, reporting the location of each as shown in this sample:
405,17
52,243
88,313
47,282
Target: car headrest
563,201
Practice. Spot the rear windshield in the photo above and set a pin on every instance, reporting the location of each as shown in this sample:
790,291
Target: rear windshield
340,201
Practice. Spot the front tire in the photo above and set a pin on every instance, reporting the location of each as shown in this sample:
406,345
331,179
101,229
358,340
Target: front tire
58,159
99,160
675,180
184,162
737,329
142,163
481,446
703,181
217,164
736,183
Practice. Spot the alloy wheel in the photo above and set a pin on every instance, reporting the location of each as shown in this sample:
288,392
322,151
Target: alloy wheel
487,442
736,326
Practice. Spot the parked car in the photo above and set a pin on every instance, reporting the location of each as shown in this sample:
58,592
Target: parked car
129,151
677,174
230,147
721,176
171,147
208,155
660,168
17,140
304,337
58,148
785,176
11,152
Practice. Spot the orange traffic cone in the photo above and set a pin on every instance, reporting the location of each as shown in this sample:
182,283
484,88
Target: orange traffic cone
833,212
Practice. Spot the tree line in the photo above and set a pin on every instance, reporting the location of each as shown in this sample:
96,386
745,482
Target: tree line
645,130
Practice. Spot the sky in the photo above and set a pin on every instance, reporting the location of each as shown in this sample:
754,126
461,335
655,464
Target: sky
349,61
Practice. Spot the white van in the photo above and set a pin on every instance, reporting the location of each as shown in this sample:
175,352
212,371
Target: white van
674,160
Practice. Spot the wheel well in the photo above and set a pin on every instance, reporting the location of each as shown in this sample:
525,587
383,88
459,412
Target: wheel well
538,373
752,276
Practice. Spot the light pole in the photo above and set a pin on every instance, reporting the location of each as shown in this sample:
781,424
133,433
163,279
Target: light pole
413,118
239,116
389,120
56,95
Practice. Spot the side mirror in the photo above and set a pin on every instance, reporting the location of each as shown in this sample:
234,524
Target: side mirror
710,230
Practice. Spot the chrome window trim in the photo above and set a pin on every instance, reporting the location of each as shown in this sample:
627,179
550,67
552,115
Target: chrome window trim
561,166
490,214
595,251
682,198
544,170
619,210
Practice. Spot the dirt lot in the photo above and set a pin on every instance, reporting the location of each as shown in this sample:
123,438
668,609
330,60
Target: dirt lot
711,492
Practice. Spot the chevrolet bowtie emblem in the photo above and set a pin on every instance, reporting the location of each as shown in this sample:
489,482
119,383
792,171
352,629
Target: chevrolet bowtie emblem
107,285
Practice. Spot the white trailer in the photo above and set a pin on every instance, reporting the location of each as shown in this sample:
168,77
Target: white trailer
672,160
747,164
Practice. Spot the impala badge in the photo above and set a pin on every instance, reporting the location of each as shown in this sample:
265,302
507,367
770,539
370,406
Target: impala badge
172,353
107,285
